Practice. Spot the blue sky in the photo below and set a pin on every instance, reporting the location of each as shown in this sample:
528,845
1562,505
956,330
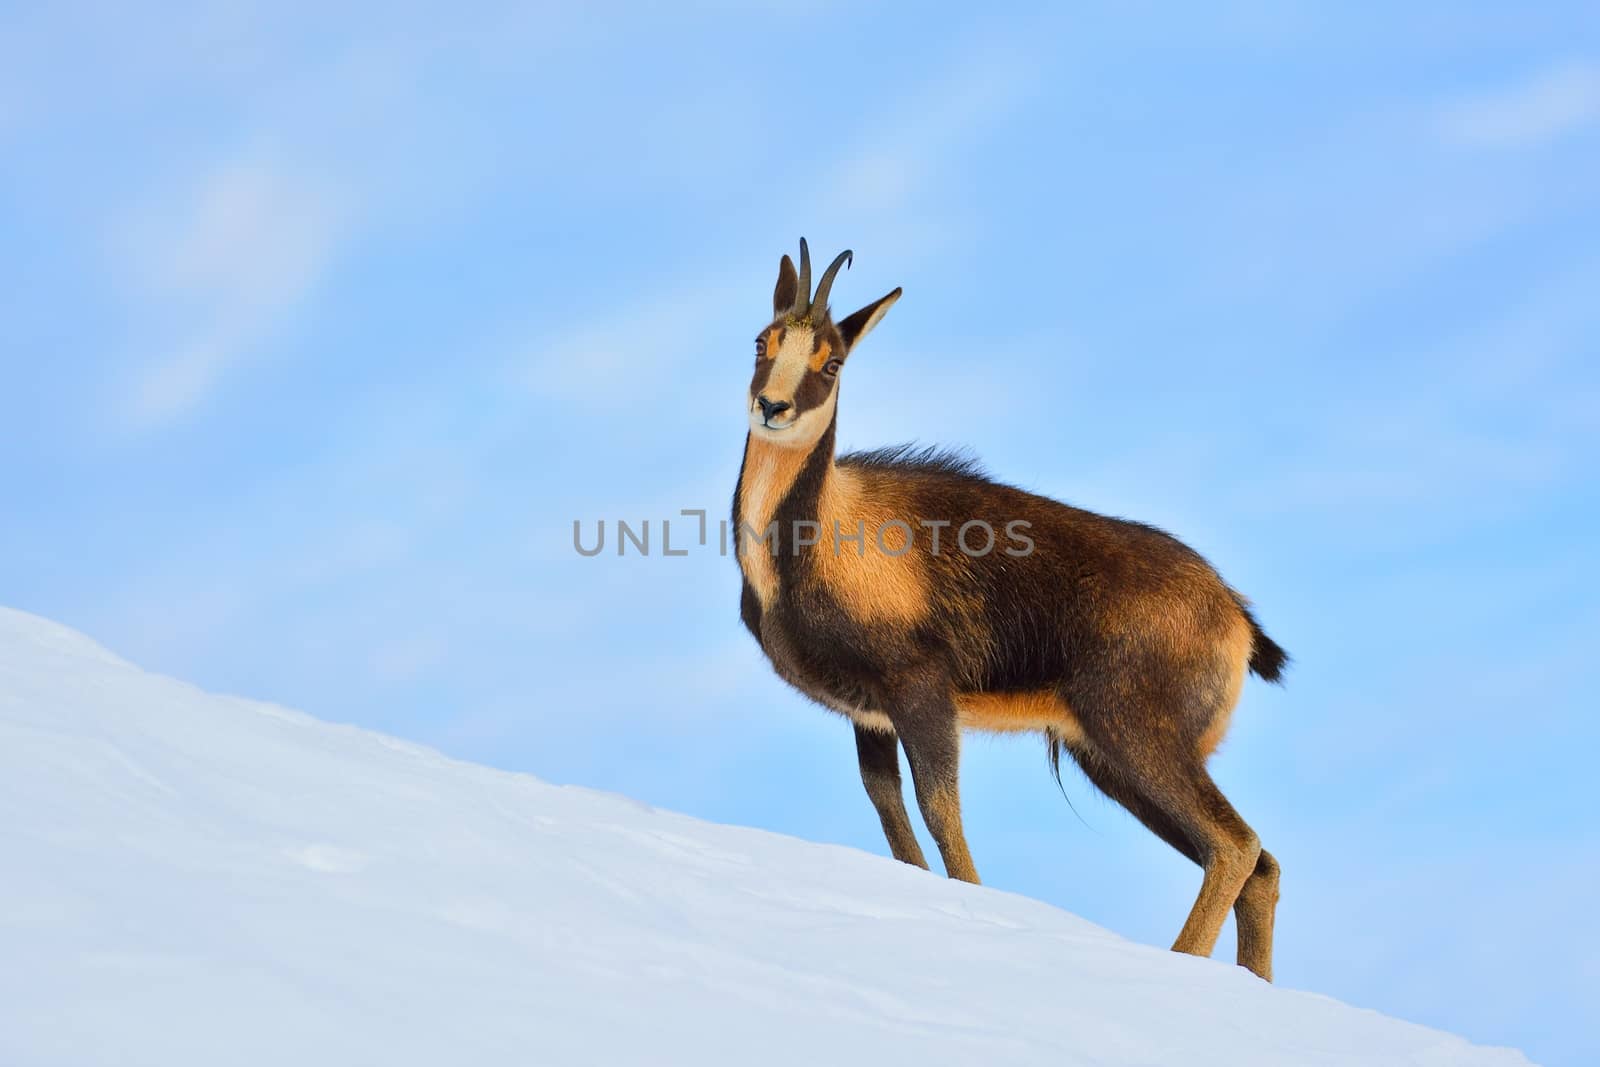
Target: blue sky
320,327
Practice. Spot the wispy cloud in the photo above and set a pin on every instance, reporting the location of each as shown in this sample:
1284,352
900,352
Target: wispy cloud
229,260
880,179
1556,101
637,346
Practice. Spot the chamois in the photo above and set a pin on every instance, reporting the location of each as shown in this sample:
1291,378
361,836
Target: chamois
868,590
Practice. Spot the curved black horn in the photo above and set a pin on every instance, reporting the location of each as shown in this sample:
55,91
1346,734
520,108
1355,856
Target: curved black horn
802,297
819,305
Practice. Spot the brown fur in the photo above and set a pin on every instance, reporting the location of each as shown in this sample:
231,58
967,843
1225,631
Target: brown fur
1234,653
1039,711
871,584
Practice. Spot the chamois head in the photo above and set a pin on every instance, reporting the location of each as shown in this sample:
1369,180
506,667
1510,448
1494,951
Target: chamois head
798,354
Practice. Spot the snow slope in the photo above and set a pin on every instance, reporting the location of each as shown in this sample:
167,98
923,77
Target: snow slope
195,879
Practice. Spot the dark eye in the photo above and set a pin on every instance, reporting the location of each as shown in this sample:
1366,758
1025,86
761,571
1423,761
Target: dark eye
761,348
831,367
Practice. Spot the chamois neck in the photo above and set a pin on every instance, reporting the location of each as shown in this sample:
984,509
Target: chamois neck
778,486
819,456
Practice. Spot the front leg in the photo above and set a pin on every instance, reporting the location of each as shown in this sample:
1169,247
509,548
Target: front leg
878,752
926,720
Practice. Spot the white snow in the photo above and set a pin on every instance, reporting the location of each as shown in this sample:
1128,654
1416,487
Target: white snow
195,879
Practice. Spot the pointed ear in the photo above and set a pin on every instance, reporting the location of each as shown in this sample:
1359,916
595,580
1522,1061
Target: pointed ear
861,323
788,287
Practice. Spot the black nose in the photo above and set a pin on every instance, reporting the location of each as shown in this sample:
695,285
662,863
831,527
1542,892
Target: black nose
769,409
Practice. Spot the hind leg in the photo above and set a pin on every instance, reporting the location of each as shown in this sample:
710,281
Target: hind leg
1114,784
1167,788
1228,848
1254,912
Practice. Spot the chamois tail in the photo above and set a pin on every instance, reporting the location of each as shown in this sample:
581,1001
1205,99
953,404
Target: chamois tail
1267,657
